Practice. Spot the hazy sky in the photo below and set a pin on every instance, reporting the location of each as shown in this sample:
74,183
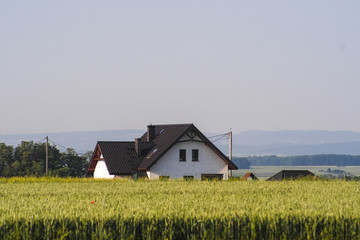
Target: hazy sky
101,65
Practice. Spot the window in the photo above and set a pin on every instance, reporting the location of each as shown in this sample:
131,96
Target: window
182,155
152,153
188,178
164,178
195,155
209,177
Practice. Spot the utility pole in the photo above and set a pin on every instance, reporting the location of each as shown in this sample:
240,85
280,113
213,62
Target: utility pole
47,155
230,150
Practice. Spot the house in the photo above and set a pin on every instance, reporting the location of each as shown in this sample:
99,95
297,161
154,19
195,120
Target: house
291,175
164,151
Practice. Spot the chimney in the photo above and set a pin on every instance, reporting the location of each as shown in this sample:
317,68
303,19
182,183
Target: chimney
150,133
138,146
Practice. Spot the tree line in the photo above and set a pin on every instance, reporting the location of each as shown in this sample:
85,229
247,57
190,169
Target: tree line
306,160
241,163
28,159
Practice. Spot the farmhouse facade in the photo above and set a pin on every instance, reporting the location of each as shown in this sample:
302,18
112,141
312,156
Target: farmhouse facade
164,151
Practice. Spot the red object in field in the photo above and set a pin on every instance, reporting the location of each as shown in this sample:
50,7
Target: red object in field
92,202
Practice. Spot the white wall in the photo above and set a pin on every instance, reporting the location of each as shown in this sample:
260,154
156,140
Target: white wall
169,164
101,170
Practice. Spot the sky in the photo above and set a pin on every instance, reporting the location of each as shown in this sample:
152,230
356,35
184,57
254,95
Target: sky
91,65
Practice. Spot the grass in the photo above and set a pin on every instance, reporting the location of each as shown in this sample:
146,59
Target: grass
55,208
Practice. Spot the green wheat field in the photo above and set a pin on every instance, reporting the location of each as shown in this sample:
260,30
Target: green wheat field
55,208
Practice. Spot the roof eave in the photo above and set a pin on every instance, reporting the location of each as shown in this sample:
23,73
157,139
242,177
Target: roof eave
89,172
232,166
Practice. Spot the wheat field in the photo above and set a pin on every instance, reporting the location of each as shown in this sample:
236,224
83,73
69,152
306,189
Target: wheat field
55,208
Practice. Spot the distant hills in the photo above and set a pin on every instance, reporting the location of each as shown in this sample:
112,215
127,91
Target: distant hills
80,141
289,143
249,143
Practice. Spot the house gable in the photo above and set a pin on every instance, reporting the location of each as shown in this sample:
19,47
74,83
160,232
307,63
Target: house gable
208,162
168,135
102,171
190,136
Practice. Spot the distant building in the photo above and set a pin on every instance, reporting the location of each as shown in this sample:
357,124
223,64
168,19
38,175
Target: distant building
251,175
291,174
164,151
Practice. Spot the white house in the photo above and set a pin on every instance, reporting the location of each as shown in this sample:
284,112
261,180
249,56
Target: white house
164,151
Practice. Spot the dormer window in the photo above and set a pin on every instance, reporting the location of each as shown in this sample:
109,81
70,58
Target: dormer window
152,153
182,155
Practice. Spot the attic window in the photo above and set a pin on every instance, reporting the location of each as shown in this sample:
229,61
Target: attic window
182,155
195,155
154,151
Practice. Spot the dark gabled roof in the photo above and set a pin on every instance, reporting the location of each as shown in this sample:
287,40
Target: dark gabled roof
168,135
121,157
290,174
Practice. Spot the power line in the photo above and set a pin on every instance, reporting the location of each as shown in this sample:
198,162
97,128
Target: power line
47,151
41,140
224,134
220,138
57,144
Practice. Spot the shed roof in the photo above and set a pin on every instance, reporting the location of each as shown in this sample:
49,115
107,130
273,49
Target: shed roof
290,174
249,174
